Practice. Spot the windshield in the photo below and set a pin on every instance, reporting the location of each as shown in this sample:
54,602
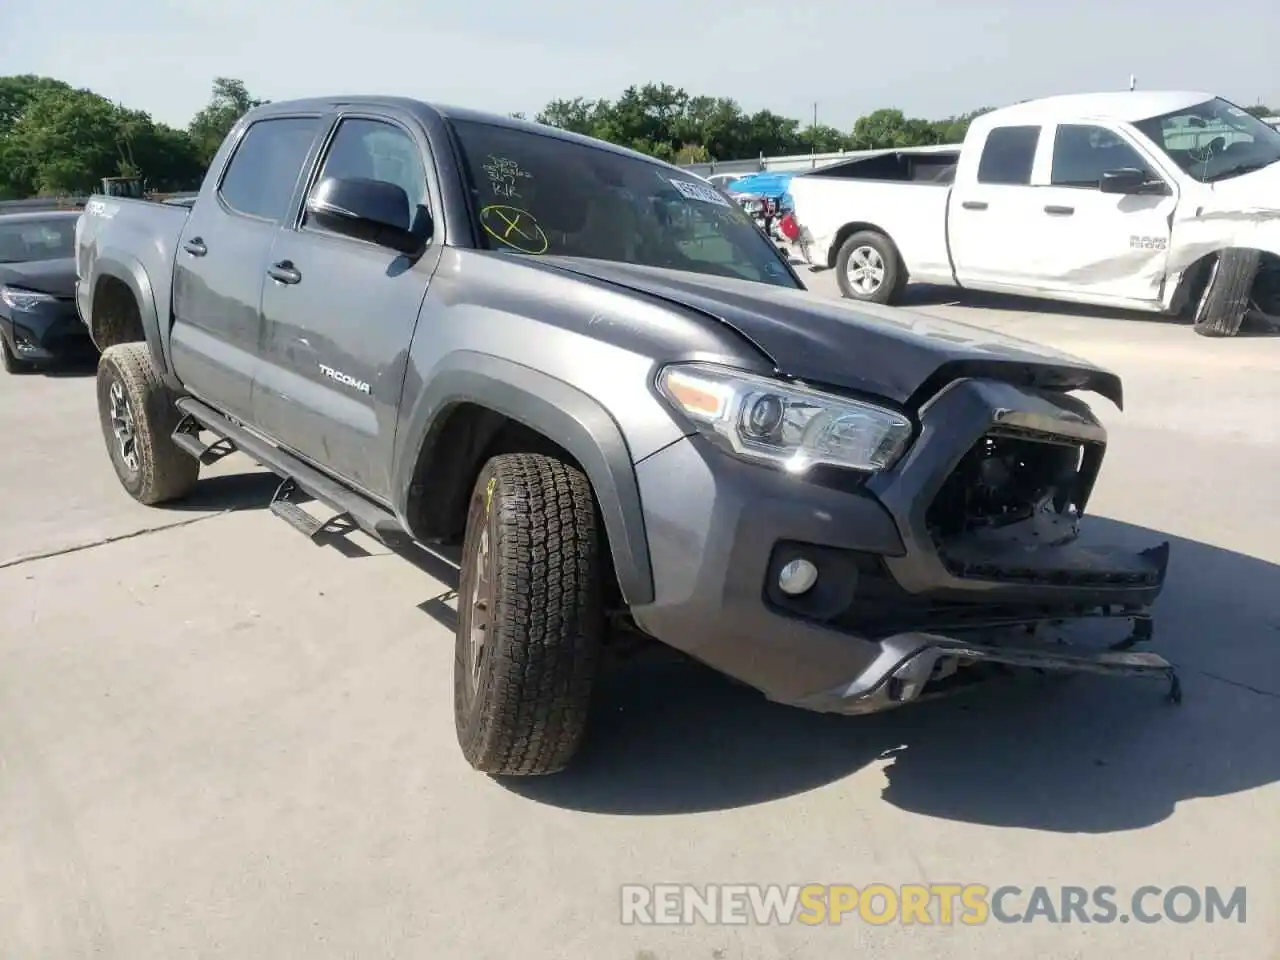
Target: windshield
537,194
1213,140
24,241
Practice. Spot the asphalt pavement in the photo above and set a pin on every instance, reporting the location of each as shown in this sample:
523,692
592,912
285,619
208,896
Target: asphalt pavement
218,739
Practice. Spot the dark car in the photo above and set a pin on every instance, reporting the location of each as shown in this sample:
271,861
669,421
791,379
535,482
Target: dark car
38,319
593,375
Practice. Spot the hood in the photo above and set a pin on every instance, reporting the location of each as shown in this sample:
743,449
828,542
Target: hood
899,355
54,277
1259,190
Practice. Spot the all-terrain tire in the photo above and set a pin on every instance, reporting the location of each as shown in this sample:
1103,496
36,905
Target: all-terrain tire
1225,301
161,470
531,584
894,278
11,363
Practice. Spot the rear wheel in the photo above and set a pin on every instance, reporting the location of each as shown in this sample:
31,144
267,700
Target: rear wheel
869,269
530,618
138,418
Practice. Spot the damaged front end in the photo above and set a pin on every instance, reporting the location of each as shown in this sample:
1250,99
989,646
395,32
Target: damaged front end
997,575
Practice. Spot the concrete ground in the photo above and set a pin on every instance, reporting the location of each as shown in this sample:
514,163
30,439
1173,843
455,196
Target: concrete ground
218,739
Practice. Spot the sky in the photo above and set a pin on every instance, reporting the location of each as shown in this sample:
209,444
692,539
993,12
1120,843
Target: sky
929,58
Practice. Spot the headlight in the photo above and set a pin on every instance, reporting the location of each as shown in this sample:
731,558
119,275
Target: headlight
791,426
16,299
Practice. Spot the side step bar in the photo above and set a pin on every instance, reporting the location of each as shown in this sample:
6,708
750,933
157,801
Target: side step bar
369,517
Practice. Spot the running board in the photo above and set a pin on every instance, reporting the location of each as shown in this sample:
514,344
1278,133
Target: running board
368,516
186,435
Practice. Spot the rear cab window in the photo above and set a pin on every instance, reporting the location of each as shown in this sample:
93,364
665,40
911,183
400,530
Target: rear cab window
264,169
1009,155
536,194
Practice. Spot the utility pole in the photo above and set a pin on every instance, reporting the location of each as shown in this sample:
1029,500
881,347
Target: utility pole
813,140
1133,82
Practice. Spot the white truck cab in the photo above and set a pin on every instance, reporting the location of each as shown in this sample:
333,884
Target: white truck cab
1158,201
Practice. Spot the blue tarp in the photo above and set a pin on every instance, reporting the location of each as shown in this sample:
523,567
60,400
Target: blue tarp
765,184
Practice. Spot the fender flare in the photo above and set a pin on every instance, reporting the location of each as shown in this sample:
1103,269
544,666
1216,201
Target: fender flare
133,275
562,413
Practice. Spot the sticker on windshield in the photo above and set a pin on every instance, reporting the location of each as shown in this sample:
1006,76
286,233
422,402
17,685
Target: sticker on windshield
699,191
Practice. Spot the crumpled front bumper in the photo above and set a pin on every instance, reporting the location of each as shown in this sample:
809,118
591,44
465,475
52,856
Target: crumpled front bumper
911,664
891,611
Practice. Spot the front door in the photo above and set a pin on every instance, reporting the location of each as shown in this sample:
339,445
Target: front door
338,327
1104,245
218,270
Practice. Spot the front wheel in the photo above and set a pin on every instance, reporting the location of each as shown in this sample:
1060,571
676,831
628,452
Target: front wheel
530,616
138,418
869,269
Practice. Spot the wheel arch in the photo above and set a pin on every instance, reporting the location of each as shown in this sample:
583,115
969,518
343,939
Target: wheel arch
123,308
848,230
466,412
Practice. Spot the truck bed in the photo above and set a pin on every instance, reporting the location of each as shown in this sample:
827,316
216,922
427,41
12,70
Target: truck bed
149,229
935,165
901,193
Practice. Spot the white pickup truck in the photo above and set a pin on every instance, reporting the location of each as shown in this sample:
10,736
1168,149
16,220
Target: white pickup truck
1160,201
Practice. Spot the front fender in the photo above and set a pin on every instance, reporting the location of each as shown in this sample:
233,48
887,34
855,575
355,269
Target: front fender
132,274
558,411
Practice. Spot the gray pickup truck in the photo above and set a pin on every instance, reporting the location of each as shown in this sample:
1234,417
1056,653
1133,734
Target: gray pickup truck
592,372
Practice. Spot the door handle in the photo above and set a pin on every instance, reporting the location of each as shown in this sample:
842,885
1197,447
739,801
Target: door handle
974,204
1057,211
284,272
195,246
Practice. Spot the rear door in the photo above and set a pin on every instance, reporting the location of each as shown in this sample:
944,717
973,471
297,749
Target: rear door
222,256
994,209
338,329
1102,244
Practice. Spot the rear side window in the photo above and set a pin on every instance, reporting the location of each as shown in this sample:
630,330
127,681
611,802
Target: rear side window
264,169
1008,155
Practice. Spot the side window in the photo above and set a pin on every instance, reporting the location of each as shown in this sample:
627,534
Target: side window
263,171
1008,155
1082,154
375,150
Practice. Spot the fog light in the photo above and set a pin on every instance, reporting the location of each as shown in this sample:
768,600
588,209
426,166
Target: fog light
796,577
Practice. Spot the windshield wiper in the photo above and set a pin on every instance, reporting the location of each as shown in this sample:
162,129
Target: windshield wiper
1246,166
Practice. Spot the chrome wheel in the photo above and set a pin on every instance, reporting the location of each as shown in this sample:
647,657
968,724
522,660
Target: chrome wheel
481,612
122,427
865,270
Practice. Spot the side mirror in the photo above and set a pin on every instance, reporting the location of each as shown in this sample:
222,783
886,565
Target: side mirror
372,210
1128,180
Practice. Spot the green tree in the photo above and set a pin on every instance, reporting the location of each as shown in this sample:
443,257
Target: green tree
953,129
64,142
1260,111
209,127
889,128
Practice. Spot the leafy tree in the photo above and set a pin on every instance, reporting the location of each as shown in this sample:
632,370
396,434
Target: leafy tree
209,127
63,143
54,138
1260,111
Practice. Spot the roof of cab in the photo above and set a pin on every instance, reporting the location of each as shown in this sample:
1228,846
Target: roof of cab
1123,106
29,216
438,111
